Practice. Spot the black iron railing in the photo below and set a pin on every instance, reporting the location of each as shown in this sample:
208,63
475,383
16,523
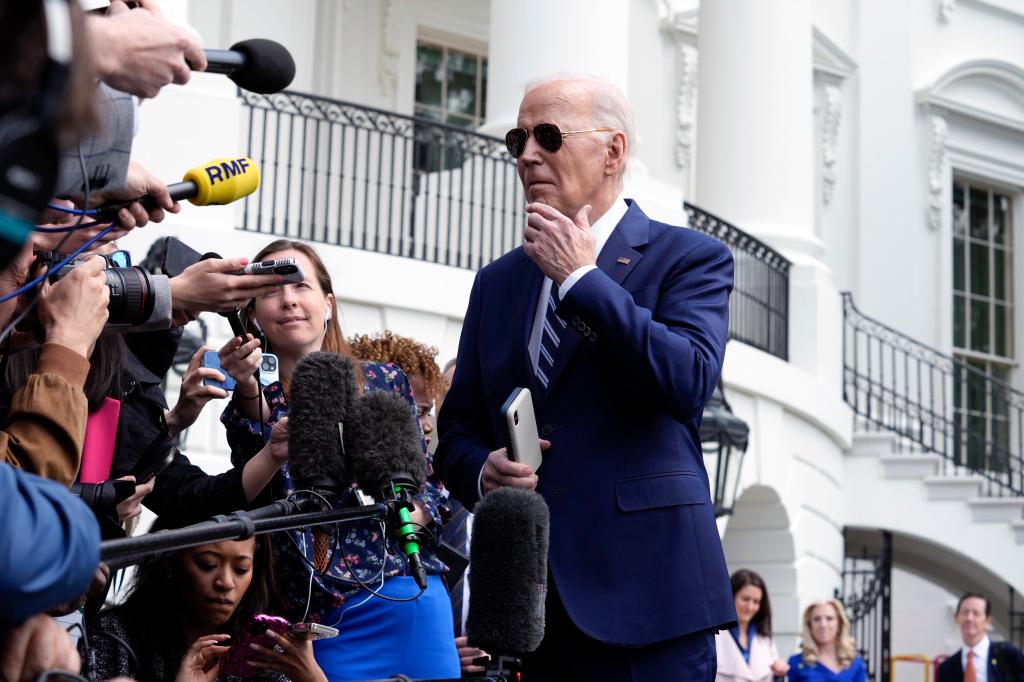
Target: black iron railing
759,306
867,597
933,402
351,175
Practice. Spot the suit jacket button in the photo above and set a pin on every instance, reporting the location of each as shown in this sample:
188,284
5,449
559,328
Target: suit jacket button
546,430
576,320
593,336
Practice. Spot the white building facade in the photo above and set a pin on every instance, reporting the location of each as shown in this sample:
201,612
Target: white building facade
877,148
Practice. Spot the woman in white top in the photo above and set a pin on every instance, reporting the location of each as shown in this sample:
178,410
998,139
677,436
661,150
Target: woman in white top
746,652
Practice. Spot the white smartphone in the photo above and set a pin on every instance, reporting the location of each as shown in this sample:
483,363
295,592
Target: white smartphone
315,630
288,267
269,371
524,445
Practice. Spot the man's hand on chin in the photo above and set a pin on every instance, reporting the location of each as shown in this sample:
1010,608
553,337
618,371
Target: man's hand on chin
559,246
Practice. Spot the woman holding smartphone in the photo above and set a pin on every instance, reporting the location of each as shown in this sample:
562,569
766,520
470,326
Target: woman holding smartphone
379,637
185,612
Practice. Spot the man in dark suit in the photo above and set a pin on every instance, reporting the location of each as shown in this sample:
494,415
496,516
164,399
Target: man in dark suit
617,324
980,659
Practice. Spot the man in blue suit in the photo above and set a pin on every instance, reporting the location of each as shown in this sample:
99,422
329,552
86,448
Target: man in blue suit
617,324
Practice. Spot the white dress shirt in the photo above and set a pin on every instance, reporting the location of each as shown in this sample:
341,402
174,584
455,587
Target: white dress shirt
980,658
603,229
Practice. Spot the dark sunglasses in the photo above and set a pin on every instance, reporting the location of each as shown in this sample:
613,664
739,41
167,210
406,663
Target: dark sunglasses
548,136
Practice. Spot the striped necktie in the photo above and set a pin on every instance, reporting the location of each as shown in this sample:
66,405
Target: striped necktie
550,337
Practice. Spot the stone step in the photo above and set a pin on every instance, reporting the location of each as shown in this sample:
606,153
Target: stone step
996,509
910,466
953,487
873,444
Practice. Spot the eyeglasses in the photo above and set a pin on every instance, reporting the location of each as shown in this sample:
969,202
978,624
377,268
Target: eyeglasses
548,136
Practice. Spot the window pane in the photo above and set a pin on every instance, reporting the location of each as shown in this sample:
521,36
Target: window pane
1002,329
979,326
979,214
460,120
979,269
429,74
959,319
483,90
1001,219
461,83
959,212
958,264
1001,276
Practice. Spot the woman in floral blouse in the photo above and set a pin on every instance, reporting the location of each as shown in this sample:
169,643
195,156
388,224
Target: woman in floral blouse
378,637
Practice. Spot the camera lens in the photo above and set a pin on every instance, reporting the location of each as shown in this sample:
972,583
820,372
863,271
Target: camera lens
131,295
515,418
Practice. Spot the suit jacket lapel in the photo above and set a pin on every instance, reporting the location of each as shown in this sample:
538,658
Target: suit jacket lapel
617,259
526,291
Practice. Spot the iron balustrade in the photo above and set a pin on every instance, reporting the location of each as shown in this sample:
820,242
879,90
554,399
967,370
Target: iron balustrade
934,403
759,305
351,175
867,598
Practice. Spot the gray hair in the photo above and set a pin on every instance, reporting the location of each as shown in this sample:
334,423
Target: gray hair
609,107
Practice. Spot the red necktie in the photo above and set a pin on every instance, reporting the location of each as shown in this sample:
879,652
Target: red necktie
970,674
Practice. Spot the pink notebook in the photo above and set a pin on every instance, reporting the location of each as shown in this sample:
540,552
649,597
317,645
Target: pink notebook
100,441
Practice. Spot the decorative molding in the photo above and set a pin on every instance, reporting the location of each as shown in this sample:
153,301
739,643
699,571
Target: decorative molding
830,141
937,165
830,60
387,72
947,95
946,9
686,105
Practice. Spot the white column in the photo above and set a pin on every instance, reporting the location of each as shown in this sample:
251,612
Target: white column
531,39
755,159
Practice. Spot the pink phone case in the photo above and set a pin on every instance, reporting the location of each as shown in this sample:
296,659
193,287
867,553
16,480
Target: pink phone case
100,440
237,660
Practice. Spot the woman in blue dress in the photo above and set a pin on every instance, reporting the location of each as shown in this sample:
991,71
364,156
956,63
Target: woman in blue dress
378,638
828,651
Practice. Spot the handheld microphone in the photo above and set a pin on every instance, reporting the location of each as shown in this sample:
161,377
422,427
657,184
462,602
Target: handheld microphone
508,573
219,181
323,390
258,65
386,458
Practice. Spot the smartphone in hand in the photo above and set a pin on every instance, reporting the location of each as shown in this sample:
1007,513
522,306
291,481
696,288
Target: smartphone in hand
212,360
236,662
289,267
523,441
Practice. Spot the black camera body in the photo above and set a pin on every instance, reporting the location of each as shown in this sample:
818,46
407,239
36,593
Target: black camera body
132,295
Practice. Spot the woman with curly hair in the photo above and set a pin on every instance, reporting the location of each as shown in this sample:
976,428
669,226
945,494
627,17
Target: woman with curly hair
828,651
418,362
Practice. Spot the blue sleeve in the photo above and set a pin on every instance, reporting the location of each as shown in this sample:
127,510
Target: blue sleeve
49,546
797,670
464,422
674,353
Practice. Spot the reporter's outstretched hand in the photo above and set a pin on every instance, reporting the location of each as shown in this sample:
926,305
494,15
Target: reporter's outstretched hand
74,310
139,182
240,361
468,654
193,395
37,645
139,51
196,663
207,286
294,660
131,507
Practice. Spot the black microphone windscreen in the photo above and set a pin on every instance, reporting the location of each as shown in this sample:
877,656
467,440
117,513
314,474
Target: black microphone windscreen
269,66
323,389
508,572
382,439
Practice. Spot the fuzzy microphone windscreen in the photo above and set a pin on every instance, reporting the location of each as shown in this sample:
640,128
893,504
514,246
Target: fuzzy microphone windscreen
382,438
323,389
508,572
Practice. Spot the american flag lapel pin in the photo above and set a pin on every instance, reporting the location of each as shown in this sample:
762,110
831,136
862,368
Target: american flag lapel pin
623,260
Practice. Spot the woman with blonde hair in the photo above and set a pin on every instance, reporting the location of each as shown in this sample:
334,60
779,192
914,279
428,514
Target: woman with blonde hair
828,651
